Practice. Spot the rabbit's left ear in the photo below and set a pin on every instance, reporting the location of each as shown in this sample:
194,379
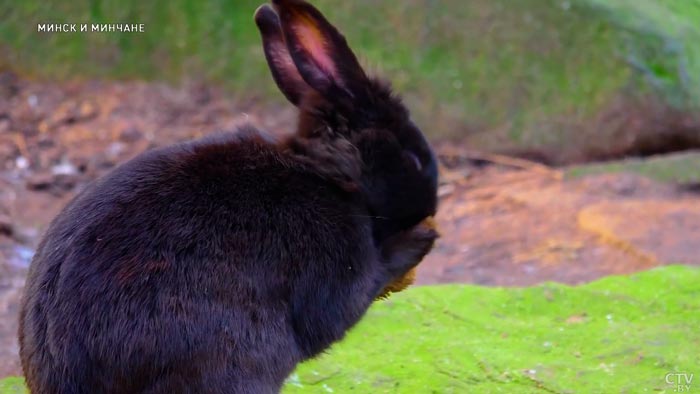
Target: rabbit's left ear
283,69
321,54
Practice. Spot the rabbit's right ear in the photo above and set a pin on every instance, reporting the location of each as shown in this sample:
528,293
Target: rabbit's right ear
321,53
283,69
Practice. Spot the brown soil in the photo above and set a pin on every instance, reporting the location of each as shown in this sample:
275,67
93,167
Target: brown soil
518,228
500,224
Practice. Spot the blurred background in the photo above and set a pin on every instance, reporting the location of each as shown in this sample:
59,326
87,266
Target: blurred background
571,79
568,131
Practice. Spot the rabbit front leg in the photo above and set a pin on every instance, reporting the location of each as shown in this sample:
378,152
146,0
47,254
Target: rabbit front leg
403,251
331,296
334,291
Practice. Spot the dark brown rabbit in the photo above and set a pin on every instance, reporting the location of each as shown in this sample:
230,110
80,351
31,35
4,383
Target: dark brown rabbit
216,266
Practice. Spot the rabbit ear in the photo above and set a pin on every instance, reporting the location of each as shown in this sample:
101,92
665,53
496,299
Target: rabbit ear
319,51
283,69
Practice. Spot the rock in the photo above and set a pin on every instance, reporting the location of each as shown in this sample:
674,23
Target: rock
57,184
69,112
21,163
5,124
39,181
6,227
64,168
9,84
87,110
130,134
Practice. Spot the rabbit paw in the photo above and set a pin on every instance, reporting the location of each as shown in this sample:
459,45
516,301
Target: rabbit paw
406,249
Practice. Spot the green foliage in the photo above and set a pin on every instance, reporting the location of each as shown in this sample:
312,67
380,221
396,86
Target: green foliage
663,44
617,335
504,64
527,71
197,39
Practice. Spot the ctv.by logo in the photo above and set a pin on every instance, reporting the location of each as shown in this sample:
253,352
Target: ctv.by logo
680,381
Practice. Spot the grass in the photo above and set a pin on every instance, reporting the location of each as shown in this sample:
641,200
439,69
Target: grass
676,168
616,335
620,334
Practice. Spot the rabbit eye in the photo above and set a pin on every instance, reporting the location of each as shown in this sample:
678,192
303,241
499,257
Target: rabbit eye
414,159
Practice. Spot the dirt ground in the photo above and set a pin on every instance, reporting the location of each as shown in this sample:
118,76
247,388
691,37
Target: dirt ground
508,223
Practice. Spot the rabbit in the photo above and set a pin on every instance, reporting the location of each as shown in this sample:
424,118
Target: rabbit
218,265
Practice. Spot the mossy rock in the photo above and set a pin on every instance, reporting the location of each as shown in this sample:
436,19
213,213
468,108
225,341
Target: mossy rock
683,168
12,386
616,335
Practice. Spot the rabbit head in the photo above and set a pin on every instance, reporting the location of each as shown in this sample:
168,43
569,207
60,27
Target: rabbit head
317,71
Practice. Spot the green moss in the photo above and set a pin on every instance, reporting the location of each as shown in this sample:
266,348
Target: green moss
677,168
617,335
12,386
664,45
620,334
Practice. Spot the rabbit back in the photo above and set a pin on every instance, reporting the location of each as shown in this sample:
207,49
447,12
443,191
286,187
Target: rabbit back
196,266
